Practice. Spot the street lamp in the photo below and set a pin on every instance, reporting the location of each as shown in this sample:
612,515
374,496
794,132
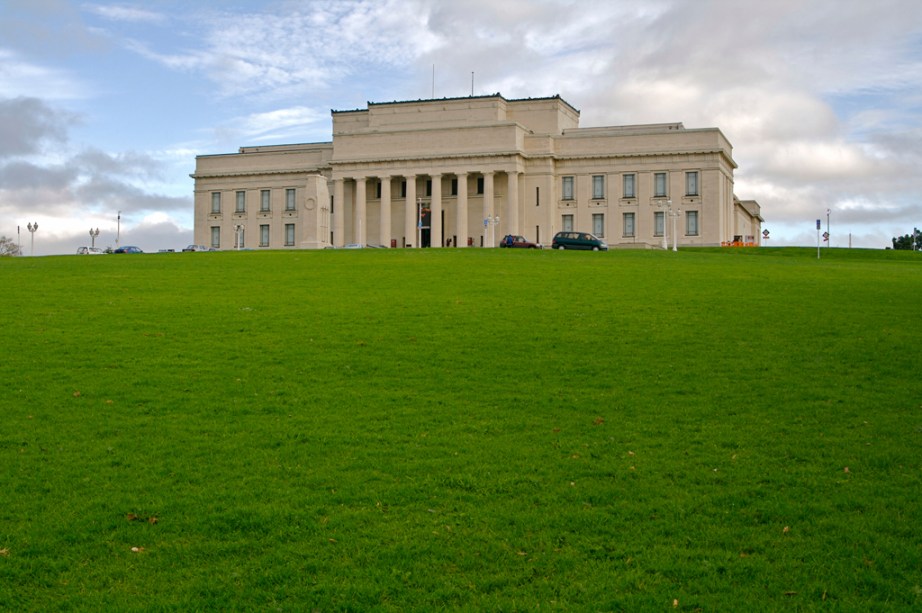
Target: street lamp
93,235
118,230
32,227
238,236
675,235
666,205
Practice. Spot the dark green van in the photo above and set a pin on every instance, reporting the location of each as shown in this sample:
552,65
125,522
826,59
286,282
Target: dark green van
578,240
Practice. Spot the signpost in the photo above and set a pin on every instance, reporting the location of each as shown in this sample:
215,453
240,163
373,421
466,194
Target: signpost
819,224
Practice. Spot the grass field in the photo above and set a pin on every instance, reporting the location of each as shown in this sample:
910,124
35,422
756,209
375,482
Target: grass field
404,430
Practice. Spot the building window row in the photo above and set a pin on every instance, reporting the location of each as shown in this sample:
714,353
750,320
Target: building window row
629,185
453,188
265,201
629,226
264,236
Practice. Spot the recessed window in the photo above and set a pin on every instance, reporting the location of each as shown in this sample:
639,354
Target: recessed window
429,187
567,224
216,203
479,185
567,193
241,202
216,237
454,187
659,223
691,183
403,189
289,234
691,223
264,235
598,224
628,225
264,201
659,185
598,187
629,181
378,190
289,199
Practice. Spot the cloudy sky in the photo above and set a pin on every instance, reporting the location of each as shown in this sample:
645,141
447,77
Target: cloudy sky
104,105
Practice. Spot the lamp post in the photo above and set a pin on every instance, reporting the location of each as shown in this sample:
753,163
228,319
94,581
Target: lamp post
493,223
32,227
675,235
828,235
19,240
666,205
238,236
93,235
118,229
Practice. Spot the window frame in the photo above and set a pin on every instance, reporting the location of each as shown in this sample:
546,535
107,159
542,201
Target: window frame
657,192
632,193
566,223
215,203
240,202
692,183
692,228
567,187
625,218
264,235
659,223
265,201
216,237
598,187
289,235
600,218
290,202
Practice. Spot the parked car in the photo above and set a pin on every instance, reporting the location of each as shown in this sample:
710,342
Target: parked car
519,242
128,249
578,240
90,251
197,248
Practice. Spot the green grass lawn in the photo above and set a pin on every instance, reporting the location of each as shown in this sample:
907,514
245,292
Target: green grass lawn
412,430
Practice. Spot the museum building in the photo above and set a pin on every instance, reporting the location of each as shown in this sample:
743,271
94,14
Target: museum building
463,172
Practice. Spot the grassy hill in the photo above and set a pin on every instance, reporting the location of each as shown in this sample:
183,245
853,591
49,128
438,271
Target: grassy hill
478,429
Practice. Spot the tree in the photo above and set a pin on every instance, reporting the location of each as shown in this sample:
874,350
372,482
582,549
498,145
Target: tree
8,247
909,242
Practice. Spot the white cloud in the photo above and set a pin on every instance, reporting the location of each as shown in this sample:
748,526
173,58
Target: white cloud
126,14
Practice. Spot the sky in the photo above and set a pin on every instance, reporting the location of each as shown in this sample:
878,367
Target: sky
105,105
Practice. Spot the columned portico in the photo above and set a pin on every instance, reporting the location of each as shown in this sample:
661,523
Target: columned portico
410,221
385,222
436,208
489,232
339,217
462,210
511,222
360,222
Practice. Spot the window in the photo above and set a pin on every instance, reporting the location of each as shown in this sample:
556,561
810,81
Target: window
629,189
691,223
289,199
241,202
216,237
216,203
598,224
264,236
264,201
567,188
479,185
659,185
454,187
378,190
691,183
289,234
429,187
628,224
567,223
598,187
403,189
659,223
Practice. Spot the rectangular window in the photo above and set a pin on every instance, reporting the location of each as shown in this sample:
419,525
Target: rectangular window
241,202
289,199
598,187
216,237
567,223
264,201
598,224
659,185
691,183
403,189
479,185
429,187
628,224
454,187
264,235
567,188
659,223
289,235
378,190
629,190
691,223
216,203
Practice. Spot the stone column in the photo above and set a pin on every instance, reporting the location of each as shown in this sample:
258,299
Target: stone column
462,210
339,206
511,222
385,223
490,237
360,222
410,219
435,231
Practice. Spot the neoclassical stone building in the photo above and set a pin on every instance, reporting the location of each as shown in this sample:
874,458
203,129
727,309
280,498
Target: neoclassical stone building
464,172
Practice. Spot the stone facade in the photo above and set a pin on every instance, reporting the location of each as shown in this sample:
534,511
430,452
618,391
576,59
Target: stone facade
465,171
